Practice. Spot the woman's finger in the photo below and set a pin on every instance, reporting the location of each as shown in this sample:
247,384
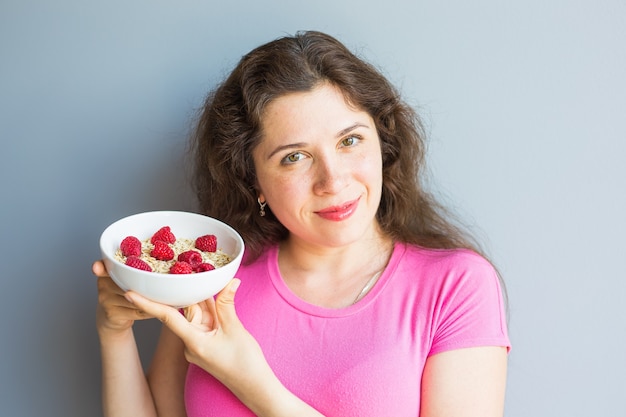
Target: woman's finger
225,305
169,316
209,318
193,313
99,269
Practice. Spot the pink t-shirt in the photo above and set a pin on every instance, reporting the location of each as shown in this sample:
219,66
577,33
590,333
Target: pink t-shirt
366,359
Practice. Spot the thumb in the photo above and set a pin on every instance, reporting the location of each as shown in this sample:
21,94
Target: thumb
225,305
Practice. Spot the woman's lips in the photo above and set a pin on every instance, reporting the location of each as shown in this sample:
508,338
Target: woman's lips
338,213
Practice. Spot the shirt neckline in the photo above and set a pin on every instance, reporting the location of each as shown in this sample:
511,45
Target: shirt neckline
314,310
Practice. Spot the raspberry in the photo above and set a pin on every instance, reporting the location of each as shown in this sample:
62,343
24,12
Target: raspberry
163,234
162,251
204,266
207,243
192,257
135,262
130,246
181,267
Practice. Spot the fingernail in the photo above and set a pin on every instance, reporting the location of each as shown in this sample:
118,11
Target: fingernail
129,299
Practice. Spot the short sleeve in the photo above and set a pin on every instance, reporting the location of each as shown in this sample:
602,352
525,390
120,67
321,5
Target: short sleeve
469,306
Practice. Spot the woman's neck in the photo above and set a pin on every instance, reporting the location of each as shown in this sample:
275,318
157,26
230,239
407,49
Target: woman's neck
333,277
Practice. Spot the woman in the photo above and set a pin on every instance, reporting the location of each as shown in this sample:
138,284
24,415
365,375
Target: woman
358,296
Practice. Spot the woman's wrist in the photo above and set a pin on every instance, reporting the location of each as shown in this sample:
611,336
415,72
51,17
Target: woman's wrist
110,336
287,404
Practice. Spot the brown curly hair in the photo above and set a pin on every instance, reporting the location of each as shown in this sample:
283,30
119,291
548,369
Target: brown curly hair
229,127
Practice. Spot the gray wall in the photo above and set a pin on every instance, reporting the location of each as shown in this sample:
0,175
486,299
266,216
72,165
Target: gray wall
525,108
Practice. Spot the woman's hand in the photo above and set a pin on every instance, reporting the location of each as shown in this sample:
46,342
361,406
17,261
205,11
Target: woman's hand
216,341
114,314
214,337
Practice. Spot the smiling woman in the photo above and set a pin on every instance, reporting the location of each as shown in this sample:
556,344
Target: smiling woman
358,295
332,174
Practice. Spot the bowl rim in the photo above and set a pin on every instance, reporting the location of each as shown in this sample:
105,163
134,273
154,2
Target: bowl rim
105,252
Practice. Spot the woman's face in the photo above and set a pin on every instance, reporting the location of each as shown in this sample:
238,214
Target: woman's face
319,167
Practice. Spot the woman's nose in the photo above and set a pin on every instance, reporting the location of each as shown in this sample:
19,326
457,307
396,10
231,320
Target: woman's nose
330,175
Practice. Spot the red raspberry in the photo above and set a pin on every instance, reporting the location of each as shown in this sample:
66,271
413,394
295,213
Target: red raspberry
135,262
204,266
164,234
181,267
192,257
130,246
162,251
207,243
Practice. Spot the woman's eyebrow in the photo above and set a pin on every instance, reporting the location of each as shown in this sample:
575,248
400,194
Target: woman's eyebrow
351,128
286,147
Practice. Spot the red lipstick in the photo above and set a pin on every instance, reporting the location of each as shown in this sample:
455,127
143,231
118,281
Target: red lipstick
339,213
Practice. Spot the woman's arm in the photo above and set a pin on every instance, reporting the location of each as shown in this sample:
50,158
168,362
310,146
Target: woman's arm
465,383
166,375
125,390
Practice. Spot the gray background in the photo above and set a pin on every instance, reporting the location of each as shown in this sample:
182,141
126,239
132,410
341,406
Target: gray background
524,103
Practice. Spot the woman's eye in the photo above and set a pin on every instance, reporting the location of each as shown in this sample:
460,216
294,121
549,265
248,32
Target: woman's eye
292,158
349,141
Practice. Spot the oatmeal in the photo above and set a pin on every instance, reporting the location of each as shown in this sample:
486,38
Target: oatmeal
210,259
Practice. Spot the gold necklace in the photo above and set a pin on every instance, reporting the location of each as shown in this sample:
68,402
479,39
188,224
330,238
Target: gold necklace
368,286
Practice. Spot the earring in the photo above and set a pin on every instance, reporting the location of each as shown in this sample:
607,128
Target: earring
262,207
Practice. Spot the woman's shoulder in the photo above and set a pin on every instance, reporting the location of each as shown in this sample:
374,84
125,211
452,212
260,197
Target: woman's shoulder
446,268
447,258
450,274
253,264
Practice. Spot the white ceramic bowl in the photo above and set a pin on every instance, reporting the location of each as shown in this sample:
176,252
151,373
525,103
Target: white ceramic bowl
175,290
